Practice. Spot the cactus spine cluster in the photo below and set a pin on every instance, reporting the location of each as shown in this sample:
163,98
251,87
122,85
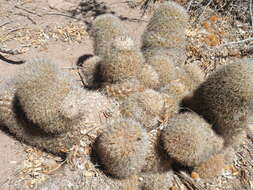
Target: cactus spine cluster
145,107
148,77
90,71
165,68
121,61
123,148
105,29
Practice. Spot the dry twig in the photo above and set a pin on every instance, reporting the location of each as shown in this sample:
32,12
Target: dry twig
251,14
10,51
237,42
26,10
81,77
5,23
29,18
60,14
188,181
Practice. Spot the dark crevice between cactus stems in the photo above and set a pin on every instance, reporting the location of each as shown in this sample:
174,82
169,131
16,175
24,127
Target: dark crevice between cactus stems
81,60
31,128
176,166
28,125
95,160
97,74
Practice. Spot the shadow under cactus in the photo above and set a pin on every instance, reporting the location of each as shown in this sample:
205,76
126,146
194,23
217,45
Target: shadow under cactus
90,9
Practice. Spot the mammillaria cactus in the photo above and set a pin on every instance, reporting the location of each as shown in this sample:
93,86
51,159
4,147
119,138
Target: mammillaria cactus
225,99
165,68
165,33
121,61
157,160
189,139
191,76
167,27
122,90
176,89
195,71
12,117
137,130
40,89
145,107
91,108
177,56
148,77
105,29
122,147
91,71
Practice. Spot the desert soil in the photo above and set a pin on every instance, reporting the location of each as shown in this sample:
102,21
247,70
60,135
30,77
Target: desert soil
59,30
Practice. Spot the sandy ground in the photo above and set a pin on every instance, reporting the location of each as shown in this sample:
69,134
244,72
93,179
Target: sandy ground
26,24
12,154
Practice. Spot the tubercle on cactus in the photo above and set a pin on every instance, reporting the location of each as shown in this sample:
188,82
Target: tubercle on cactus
122,61
145,107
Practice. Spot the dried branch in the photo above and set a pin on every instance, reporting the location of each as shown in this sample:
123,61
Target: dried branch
81,78
237,42
28,11
5,23
10,51
251,14
29,18
61,14
188,181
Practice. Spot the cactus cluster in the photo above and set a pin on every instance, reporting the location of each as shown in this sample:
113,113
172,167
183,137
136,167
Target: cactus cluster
43,108
133,98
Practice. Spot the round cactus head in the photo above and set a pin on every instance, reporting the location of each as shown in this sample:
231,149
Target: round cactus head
122,148
165,68
189,139
40,88
145,107
105,29
167,27
122,61
149,77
